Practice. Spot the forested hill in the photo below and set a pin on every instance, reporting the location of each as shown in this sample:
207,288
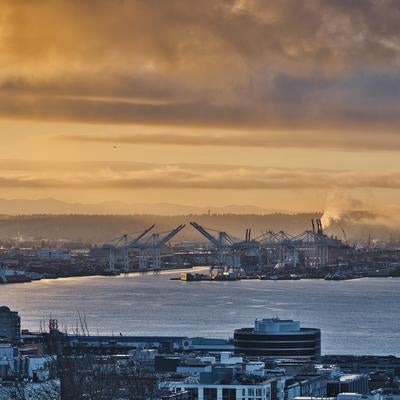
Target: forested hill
98,228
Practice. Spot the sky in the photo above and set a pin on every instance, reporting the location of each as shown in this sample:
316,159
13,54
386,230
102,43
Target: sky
282,104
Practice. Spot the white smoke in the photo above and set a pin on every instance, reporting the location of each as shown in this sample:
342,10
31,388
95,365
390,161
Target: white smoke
337,205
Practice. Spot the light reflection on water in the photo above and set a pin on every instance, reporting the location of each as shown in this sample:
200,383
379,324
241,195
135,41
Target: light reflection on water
358,316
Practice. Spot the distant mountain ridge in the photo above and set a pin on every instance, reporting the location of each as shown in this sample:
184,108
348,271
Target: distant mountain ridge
57,207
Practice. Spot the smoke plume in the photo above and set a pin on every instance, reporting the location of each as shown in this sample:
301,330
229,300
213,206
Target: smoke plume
339,206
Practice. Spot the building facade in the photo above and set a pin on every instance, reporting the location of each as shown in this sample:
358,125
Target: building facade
278,339
10,324
246,389
350,383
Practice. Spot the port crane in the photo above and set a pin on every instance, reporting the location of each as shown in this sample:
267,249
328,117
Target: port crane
246,245
228,247
151,249
313,245
123,243
222,244
278,246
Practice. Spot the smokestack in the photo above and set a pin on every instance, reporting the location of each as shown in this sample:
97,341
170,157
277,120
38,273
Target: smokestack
313,225
320,229
248,235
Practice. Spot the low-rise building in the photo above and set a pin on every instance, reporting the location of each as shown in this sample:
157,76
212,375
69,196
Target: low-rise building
9,362
54,254
230,383
350,383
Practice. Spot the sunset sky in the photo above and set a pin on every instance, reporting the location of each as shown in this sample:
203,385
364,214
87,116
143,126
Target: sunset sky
283,104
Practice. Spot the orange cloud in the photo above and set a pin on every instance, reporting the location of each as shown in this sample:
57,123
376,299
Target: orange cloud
280,139
132,176
235,64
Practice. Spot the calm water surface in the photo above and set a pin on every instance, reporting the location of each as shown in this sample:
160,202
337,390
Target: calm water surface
356,317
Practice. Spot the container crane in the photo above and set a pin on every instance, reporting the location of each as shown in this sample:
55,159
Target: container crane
249,244
152,248
112,247
133,244
222,244
279,246
123,243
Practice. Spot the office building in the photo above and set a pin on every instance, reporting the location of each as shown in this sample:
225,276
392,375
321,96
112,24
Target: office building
278,339
10,324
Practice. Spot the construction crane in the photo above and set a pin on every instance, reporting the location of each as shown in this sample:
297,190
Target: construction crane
152,248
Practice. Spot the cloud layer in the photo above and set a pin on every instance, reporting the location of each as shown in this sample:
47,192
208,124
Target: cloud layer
243,64
132,176
280,139
255,85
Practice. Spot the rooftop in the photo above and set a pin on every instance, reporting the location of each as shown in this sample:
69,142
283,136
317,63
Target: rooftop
349,377
276,325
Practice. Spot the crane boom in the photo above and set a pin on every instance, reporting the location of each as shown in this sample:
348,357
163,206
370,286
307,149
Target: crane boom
207,235
170,235
133,242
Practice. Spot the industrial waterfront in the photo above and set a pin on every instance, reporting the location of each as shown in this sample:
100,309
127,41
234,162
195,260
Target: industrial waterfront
351,314
272,255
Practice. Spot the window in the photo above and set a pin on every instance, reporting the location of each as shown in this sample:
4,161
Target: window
210,394
193,393
228,394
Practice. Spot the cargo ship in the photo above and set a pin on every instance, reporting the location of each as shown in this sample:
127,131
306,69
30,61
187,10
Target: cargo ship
13,276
